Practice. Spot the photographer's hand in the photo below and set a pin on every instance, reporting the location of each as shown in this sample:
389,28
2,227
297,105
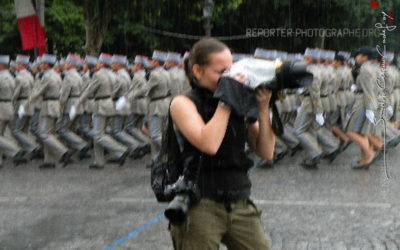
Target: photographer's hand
260,134
263,96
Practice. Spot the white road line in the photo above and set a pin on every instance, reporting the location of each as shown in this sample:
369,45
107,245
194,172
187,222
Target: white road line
13,199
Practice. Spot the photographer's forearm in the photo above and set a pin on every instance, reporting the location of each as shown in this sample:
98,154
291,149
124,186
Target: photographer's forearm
266,138
213,132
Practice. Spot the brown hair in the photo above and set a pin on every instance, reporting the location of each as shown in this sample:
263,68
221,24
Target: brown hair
199,54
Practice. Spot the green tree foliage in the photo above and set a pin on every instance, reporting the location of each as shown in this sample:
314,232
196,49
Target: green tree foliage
65,30
9,35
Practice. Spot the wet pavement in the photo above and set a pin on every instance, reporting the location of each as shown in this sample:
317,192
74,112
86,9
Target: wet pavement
333,207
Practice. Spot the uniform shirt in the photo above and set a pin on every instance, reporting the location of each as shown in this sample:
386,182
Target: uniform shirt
158,92
121,88
100,87
23,88
7,86
138,93
313,103
70,91
49,90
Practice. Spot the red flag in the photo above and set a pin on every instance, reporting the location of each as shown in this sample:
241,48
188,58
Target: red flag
30,28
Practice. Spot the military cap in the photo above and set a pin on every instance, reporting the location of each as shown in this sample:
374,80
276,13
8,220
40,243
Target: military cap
91,60
74,60
159,55
345,54
174,56
105,58
139,59
121,59
22,59
389,56
4,59
48,58
313,53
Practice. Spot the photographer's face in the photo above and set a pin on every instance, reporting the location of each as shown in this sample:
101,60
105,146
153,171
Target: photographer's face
208,75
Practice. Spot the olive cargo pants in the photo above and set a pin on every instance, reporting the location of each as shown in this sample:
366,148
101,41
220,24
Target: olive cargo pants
208,223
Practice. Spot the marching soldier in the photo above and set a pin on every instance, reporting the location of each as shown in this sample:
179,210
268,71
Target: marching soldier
137,96
159,96
49,90
23,88
123,108
311,110
69,95
337,108
362,117
88,105
101,86
37,103
7,85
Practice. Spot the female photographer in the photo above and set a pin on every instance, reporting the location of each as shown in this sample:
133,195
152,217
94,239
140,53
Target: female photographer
211,127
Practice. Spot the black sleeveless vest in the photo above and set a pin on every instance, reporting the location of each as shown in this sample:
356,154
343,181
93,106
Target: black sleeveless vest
227,170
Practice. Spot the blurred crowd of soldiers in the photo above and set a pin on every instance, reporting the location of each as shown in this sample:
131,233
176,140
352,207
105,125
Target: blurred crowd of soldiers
59,108
83,107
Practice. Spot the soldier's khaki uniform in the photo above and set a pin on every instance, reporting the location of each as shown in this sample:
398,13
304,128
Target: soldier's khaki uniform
69,95
101,87
325,137
177,81
137,95
285,112
305,124
7,86
365,99
159,96
343,99
49,90
332,95
23,88
88,106
121,87
36,105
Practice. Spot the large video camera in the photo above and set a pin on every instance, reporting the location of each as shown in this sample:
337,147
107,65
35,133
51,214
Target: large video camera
274,75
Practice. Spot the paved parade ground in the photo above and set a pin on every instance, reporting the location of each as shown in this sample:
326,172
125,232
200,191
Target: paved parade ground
334,207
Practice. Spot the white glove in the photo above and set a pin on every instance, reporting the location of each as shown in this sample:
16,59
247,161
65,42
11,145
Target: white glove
389,110
72,112
21,111
121,103
320,119
300,91
353,88
370,116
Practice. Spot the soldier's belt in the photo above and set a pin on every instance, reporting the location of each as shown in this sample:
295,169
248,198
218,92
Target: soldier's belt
159,98
359,91
50,98
73,96
116,98
21,98
101,97
5,100
323,96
